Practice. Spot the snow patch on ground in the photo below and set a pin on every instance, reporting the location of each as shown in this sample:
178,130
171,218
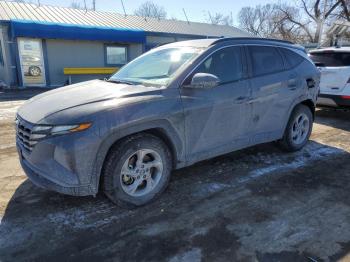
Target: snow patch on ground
207,189
302,158
6,146
193,255
324,227
8,110
84,218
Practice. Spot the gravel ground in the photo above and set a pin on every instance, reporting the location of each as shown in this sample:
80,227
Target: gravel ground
257,204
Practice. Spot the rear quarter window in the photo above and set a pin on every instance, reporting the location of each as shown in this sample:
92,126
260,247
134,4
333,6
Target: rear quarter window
330,59
292,59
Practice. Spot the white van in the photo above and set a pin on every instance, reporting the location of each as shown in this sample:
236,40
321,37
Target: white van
334,64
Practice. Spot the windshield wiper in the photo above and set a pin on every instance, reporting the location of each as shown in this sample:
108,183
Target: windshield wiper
120,81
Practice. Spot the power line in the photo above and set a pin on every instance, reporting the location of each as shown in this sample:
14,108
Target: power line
123,7
183,9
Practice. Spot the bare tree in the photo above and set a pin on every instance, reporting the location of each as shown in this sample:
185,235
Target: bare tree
344,10
314,13
219,19
76,5
268,21
150,9
258,20
300,23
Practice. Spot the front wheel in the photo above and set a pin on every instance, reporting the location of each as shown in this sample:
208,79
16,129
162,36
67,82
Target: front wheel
298,129
137,170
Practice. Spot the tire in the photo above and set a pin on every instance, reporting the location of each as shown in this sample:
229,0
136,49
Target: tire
34,71
289,141
129,182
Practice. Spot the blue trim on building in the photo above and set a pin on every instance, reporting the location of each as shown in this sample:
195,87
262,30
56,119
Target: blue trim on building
14,53
38,29
46,62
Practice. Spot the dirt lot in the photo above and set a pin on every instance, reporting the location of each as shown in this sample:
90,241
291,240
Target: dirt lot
258,204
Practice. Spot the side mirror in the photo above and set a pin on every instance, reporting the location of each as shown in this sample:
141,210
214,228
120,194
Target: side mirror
203,80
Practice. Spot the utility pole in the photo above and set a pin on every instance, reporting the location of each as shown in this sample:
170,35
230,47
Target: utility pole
322,24
94,5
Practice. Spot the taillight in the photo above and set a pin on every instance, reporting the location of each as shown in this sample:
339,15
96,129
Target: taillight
345,97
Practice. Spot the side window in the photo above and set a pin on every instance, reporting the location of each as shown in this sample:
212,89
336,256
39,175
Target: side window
226,64
116,55
292,58
345,59
265,60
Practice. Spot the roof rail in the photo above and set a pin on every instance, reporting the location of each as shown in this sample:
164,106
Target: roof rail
224,39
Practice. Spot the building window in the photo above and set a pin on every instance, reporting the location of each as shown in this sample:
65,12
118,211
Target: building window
116,55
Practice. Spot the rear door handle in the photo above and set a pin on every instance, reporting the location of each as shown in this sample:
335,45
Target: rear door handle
292,84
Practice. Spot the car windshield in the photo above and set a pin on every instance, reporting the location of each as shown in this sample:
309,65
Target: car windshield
156,68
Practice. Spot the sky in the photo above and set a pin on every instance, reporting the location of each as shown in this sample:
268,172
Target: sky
196,10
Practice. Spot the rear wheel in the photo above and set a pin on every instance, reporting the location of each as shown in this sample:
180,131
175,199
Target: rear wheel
137,170
298,130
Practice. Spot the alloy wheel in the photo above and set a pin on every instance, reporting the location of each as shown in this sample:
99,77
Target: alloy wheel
141,172
300,128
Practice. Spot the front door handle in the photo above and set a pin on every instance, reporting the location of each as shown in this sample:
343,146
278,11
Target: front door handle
241,99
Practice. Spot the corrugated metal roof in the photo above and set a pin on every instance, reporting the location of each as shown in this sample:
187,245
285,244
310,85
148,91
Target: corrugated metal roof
53,14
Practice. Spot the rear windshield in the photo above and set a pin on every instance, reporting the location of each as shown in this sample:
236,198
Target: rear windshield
330,59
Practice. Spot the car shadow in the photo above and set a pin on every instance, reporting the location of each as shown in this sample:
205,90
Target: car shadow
337,118
228,208
20,94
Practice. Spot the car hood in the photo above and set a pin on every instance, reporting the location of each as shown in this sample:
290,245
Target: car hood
43,105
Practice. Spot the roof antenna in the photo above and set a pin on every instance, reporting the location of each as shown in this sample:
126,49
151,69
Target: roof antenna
123,7
183,9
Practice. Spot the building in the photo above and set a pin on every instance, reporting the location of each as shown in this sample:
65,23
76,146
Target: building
51,46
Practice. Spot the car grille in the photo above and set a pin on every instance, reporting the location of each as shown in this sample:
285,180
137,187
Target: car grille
23,132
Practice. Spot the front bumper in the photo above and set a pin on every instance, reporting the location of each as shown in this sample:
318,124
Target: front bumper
63,164
333,101
44,182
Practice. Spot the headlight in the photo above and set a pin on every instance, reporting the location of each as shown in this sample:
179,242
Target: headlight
41,131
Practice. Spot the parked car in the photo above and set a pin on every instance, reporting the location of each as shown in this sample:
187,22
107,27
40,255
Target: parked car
33,64
334,64
171,107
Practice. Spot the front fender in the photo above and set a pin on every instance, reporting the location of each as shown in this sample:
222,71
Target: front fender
112,137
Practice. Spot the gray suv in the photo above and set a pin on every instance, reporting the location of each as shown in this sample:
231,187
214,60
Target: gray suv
173,106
